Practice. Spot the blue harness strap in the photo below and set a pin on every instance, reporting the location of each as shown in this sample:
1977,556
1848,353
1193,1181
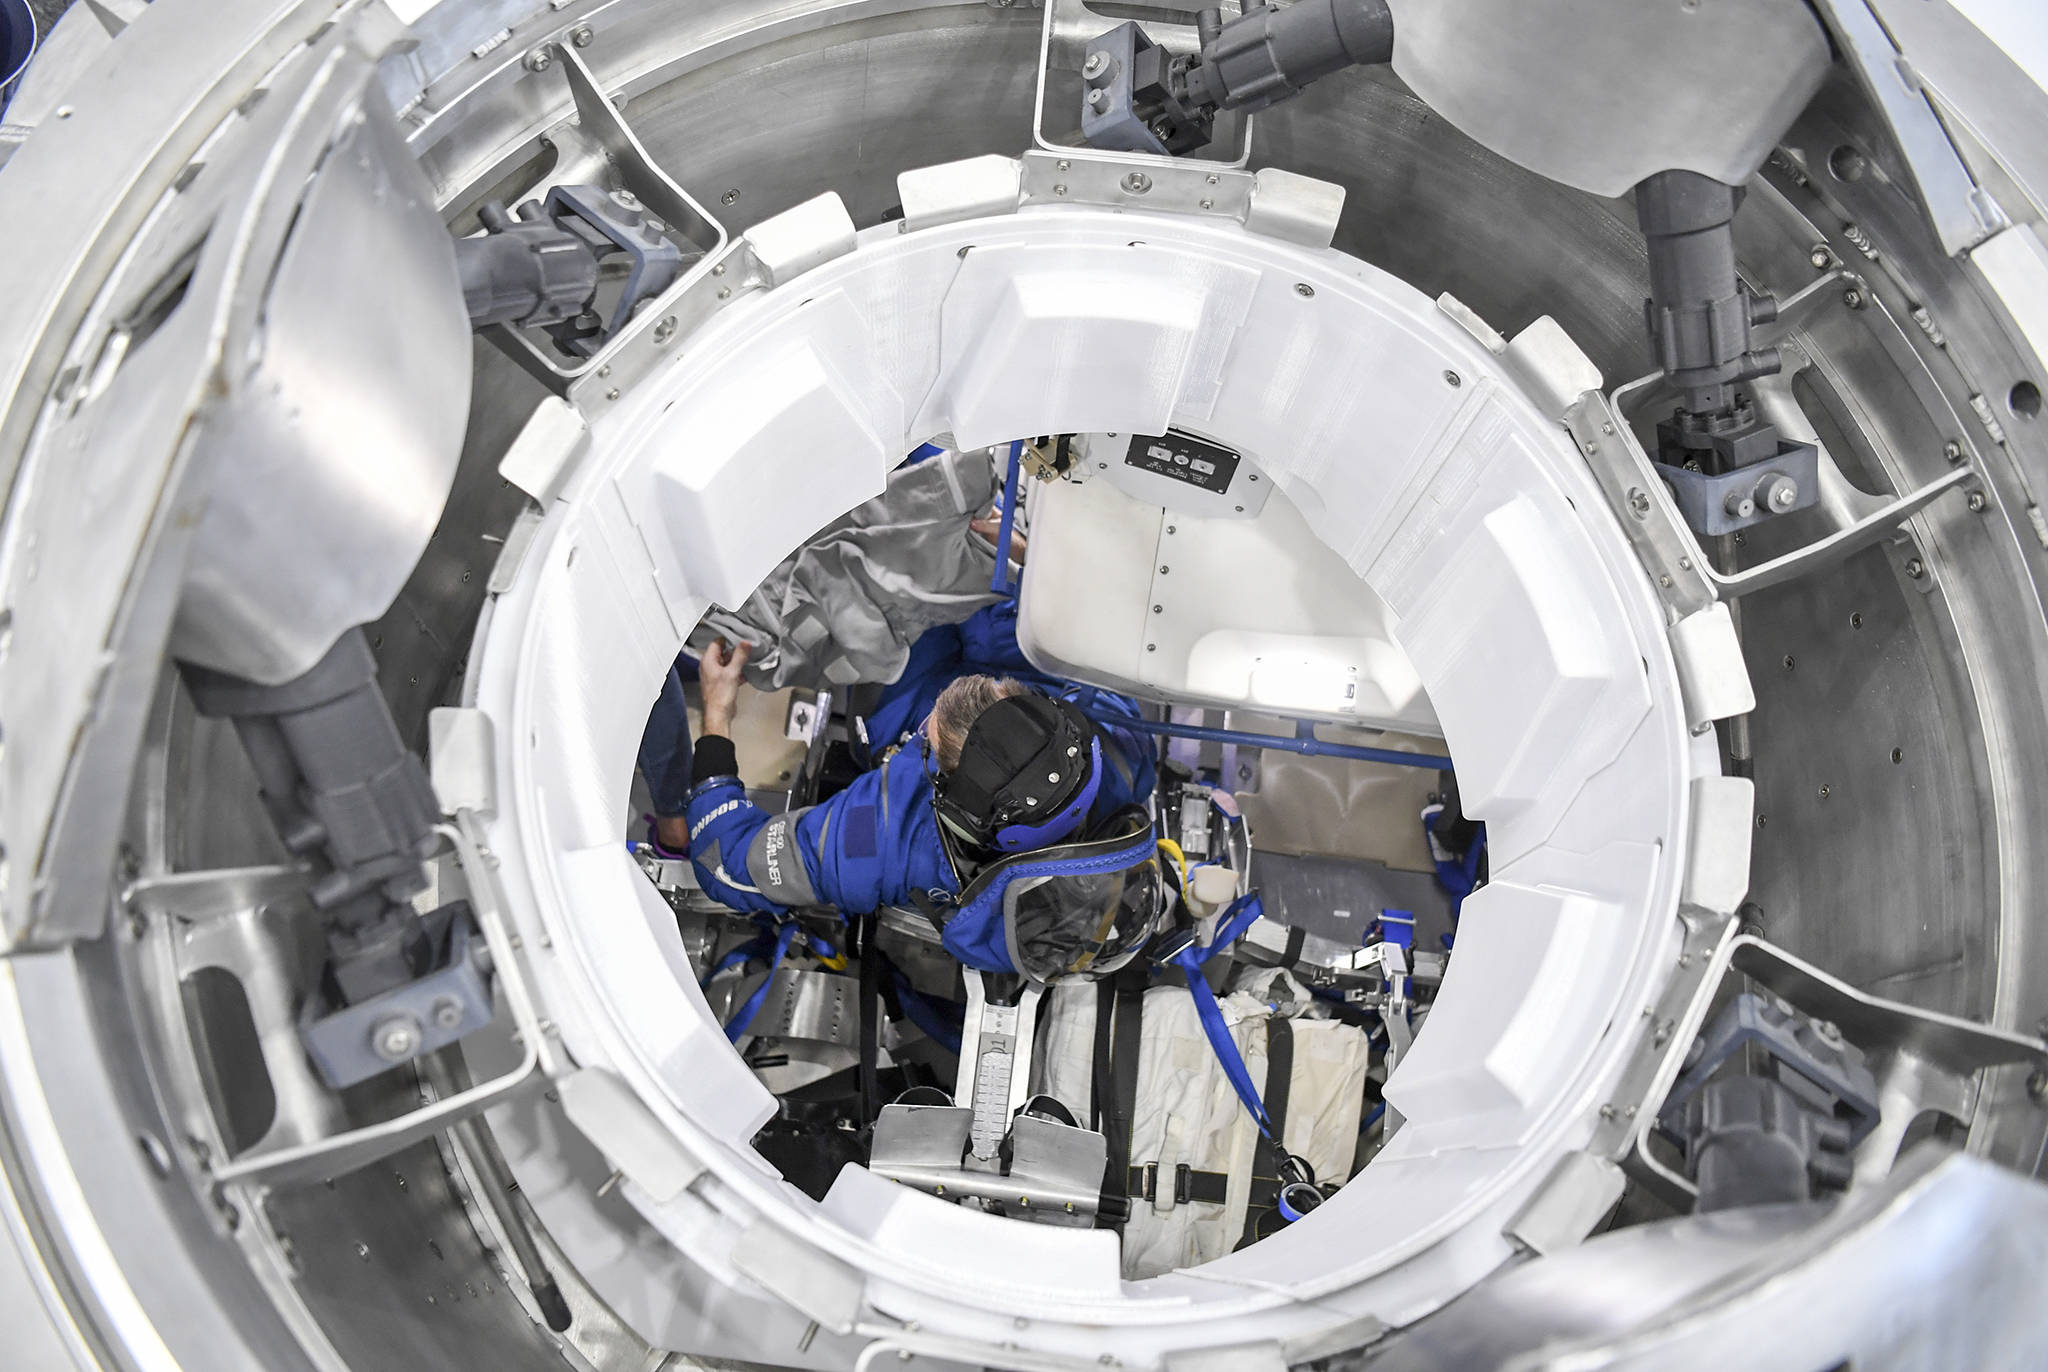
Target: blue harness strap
1238,918
1000,582
775,951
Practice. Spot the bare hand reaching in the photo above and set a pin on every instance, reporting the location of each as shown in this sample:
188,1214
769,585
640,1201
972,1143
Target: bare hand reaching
990,527
718,671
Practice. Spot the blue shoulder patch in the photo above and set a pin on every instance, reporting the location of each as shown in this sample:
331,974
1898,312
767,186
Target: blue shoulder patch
858,837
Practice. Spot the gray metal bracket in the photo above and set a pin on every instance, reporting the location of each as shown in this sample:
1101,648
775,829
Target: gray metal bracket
1671,554
599,129
541,1057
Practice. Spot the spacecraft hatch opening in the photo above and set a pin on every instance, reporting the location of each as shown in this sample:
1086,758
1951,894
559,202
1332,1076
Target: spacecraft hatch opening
1460,503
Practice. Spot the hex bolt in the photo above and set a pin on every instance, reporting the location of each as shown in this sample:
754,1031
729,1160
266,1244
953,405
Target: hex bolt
540,59
1853,298
396,1037
1779,492
1915,568
447,1013
1096,65
1952,450
582,35
1821,258
1977,502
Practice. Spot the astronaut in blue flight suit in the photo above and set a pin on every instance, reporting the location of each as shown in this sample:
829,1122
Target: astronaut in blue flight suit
878,842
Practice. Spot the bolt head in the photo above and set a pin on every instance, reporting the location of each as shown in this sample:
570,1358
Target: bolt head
1097,63
540,59
1303,289
1853,299
582,36
1820,257
1783,493
1137,183
1915,568
396,1038
1639,502
447,1013
1977,502
1952,450
731,197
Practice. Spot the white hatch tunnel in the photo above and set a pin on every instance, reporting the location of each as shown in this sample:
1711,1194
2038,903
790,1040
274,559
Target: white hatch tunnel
1437,468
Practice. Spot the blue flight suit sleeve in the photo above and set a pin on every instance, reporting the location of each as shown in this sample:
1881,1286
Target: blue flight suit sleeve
866,847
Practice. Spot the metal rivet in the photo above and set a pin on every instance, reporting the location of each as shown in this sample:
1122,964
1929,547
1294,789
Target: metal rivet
1788,662
1151,647
612,394
1169,528
1760,821
1240,509
1164,570
725,292
1065,165
1856,621
1823,790
1303,289
1452,378
1208,204
718,269
1060,189
1898,756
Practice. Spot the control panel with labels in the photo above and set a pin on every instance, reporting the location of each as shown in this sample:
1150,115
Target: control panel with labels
1184,459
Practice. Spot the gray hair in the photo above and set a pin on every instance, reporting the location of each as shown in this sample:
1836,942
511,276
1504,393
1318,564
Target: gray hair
956,709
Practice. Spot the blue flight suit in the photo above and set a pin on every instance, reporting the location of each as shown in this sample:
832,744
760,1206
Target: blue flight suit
873,843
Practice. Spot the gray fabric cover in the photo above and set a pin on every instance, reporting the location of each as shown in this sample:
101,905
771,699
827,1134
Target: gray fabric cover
847,605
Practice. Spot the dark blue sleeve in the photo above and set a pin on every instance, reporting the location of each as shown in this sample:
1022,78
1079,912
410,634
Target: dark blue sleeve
723,825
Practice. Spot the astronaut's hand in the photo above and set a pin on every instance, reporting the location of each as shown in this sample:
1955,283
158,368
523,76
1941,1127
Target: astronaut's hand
990,527
718,671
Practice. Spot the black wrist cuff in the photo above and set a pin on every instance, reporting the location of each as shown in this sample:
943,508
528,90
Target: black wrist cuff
714,757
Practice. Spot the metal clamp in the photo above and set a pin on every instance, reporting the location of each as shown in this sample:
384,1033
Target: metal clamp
344,1152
